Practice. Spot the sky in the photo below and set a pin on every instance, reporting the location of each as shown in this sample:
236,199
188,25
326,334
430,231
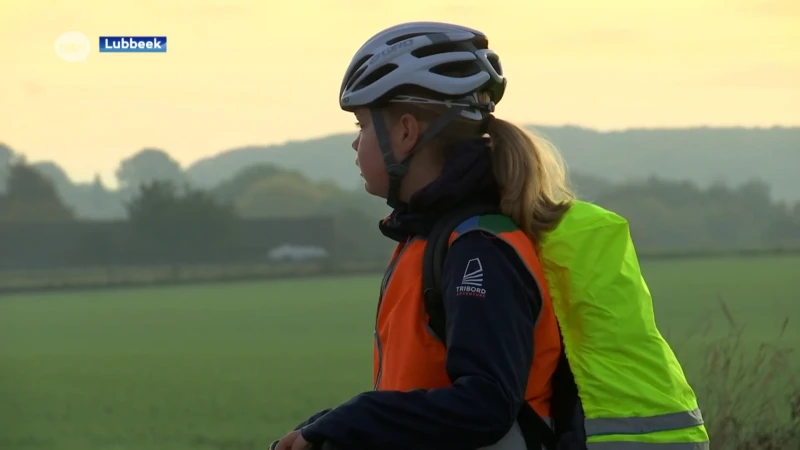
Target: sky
244,72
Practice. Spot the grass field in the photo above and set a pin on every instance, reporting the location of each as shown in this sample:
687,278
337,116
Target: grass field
233,366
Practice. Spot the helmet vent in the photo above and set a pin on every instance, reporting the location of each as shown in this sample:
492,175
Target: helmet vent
436,49
357,70
404,37
457,69
375,76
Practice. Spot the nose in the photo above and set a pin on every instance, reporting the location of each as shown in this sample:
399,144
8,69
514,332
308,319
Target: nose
355,142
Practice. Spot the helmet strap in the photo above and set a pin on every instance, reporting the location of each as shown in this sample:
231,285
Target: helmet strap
398,170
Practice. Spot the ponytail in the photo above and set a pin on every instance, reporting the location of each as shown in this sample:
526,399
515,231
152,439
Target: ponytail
528,169
531,176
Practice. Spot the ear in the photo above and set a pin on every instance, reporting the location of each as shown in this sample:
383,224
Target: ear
408,132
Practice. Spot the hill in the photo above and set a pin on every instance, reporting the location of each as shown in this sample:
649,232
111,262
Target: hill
702,155
599,162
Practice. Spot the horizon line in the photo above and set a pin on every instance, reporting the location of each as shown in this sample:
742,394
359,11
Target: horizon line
528,126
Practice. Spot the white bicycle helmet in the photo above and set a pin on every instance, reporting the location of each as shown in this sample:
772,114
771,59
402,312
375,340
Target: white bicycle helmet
422,62
449,62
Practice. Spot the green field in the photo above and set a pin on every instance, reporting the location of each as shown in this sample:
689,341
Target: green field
233,366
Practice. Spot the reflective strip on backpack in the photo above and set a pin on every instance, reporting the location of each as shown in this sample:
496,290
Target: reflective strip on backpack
644,425
624,445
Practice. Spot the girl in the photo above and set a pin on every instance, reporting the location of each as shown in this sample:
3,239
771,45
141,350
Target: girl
493,374
423,95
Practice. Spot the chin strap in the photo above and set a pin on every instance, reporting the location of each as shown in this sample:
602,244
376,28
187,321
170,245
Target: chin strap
398,170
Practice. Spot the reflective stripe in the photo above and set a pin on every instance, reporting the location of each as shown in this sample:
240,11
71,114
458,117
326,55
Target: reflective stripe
622,445
513,440
644,425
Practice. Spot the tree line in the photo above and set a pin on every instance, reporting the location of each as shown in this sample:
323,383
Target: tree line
166,214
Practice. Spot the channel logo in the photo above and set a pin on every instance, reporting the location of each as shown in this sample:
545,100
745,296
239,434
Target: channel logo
133,44
72,46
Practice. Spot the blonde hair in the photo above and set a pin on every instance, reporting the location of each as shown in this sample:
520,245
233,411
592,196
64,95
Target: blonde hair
529,171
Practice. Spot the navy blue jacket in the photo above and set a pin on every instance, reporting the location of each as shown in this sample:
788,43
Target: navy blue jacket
490,340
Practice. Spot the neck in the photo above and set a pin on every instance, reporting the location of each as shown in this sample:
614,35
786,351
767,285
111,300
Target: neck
418,178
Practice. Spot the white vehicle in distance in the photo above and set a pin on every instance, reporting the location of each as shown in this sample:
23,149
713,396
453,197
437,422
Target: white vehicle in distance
296,253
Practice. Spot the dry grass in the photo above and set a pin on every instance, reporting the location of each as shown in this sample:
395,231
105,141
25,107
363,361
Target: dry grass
749,394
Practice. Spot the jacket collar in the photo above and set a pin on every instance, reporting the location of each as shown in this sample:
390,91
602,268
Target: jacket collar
466,179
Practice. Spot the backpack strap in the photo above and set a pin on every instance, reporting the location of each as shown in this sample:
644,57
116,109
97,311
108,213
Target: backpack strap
536,432
436,247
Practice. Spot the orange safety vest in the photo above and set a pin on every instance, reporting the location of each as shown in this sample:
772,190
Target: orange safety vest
407,354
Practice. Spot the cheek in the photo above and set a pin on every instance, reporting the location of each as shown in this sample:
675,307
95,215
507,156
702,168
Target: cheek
370,159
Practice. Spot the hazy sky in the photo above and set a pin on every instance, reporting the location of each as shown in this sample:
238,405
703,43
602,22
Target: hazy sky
241,72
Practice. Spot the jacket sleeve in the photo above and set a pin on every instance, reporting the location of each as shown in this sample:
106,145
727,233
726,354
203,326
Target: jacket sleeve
311,419
489,355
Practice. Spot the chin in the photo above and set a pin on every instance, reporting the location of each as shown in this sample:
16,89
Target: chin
372,191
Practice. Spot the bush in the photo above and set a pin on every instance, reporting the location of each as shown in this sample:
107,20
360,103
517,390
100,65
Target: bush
750,397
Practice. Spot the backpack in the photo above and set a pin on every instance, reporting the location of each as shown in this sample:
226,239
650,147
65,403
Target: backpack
537,433
606,321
